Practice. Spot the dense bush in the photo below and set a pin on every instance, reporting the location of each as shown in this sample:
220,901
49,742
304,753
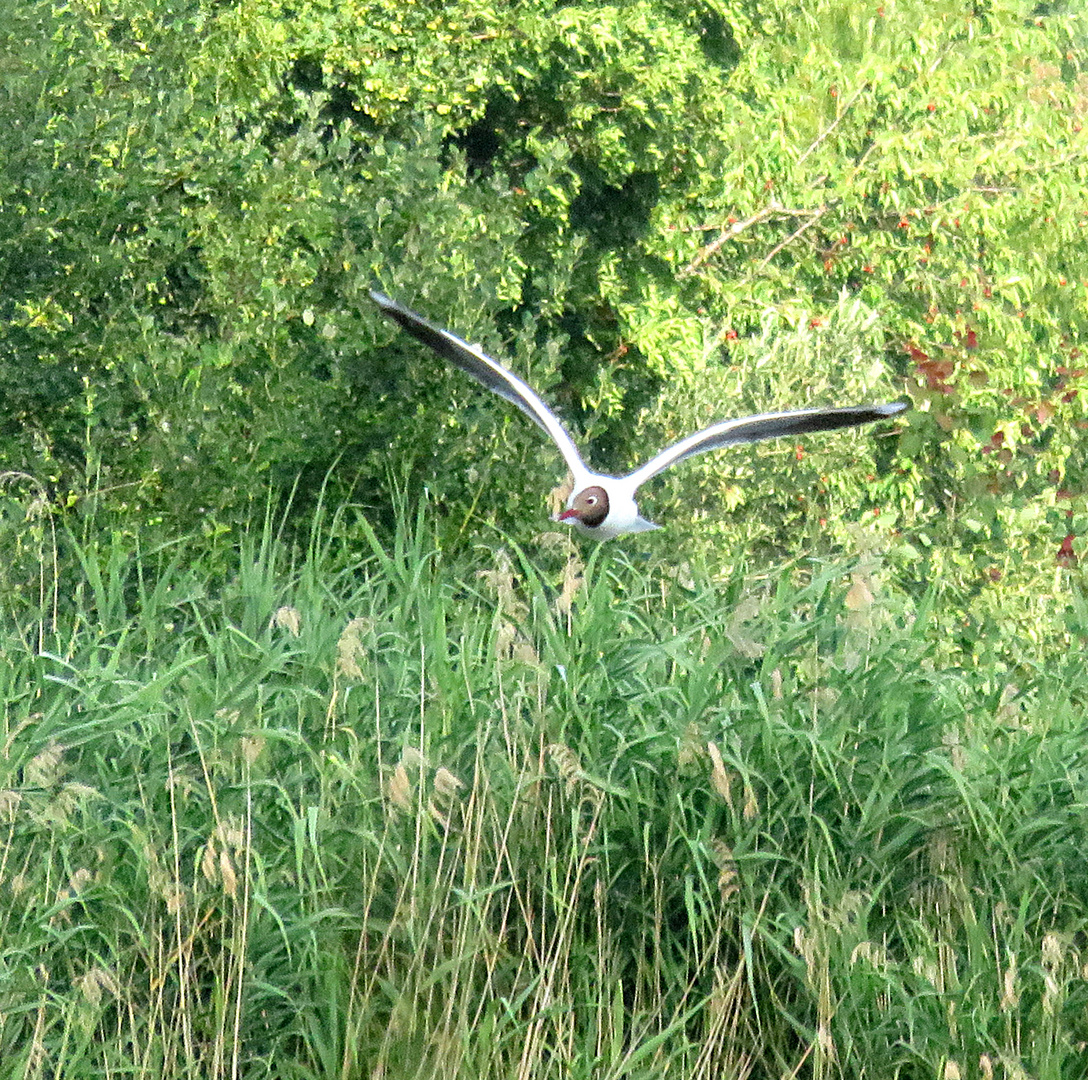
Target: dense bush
660,213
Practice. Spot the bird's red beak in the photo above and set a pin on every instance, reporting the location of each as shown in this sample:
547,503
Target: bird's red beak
566,515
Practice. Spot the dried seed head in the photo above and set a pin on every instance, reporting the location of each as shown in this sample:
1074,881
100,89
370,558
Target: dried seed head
209,861
751,803
446,785
231,833
557,497
1010,995
572,582
720,778
859,596
92,983
505,636
45,768
503,585
728,880
566,761
1052,951
350,649
226,870
398,789
287,618
9,805
524,653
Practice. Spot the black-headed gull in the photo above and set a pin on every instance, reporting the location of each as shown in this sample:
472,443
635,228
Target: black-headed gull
604,506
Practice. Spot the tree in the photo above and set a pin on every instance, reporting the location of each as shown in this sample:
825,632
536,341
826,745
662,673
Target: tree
658,213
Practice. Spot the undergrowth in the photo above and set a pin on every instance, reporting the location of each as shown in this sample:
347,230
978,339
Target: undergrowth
371,810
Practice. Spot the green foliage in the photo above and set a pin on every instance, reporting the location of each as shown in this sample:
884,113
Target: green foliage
661,214
926,159
552,818
469,808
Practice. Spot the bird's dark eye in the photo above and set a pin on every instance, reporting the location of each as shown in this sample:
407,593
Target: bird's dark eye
591,500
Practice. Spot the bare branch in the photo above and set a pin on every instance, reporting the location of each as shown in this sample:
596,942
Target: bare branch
815,216
727,234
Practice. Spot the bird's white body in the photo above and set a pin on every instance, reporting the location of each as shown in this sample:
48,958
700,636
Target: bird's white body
604,506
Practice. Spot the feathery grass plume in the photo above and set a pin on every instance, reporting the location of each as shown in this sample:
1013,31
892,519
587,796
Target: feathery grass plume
512,640
925,967
502,583
1011,707
91,984
510,645
289,618
751,802
446,793
209,861
227,874
776,684
525,653
859,597
46,768
46,798
743,624
69,892
446,785
217,863
411,757
876,955
252,747
573,569
398,789
566,762
573,582
9,805
728,879
1055,973
690,755
350,649
558,495
720,777
952,740
398,785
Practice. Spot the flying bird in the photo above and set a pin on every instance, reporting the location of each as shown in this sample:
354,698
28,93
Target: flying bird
603,506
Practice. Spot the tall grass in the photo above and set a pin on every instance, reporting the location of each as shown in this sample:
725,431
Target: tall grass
533,813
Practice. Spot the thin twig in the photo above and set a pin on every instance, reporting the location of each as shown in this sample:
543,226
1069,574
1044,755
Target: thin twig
816,215
835,123
735,229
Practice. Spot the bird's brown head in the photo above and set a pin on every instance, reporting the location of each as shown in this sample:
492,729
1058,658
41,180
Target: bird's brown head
589,507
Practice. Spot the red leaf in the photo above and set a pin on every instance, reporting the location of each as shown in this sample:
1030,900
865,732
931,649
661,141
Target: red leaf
1066,556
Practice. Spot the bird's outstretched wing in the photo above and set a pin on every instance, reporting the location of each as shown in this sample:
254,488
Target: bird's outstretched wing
490,373
765,426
